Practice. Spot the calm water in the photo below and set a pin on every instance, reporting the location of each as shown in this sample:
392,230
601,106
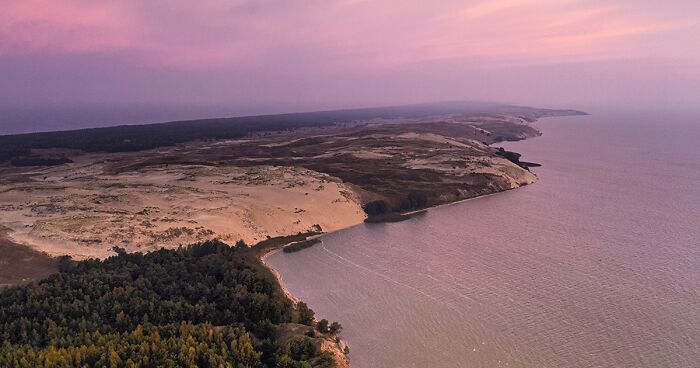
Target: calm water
596,265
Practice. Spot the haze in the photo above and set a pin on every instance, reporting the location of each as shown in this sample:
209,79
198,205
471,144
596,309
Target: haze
253,56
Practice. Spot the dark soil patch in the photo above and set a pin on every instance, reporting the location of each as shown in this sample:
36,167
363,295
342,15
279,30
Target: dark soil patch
20,264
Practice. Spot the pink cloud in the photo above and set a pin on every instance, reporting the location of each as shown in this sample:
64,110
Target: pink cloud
333,34
63,26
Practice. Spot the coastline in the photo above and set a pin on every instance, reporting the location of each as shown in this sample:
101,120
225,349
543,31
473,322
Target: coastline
250,189
425,210
501,240
266,252
408,215
263,249
338,353
280,281
338,347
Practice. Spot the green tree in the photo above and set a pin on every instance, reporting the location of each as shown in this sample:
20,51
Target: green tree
336,327
154,310
306,315
322,326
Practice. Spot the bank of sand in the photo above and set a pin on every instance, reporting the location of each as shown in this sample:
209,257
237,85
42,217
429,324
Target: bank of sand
83,211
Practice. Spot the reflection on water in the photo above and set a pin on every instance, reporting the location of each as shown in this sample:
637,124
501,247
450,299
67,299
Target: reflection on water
596,265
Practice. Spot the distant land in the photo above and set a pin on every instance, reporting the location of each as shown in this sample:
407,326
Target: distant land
139,137
33,119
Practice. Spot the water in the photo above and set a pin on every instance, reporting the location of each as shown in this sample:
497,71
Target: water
596,265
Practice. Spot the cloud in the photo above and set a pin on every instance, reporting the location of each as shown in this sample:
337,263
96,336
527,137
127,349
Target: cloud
68,26
339,53
332,34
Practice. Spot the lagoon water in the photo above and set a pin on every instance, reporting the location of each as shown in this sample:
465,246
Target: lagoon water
596,265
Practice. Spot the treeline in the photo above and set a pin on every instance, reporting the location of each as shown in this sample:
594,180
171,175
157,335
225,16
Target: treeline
413,201
13,150
39,161
132,138
207,305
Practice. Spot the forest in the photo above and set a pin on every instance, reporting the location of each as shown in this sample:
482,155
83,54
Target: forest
128,138
205,305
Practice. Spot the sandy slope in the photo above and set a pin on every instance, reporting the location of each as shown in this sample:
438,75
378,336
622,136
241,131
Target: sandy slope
82,211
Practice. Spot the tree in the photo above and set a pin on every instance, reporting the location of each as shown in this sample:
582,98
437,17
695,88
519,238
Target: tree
302,348
414,200
322,326
378,207
336,327
306,315
135,309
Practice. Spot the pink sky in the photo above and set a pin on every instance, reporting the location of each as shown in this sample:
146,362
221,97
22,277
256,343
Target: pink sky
337,53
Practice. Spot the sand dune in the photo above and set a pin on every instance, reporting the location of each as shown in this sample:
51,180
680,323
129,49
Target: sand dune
81,211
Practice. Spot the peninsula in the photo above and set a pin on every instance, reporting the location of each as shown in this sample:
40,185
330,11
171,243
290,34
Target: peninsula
80,193
266,180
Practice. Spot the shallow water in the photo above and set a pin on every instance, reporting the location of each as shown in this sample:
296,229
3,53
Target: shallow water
596,265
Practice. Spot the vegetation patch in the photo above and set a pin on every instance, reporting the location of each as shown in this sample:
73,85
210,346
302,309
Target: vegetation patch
21,264
39,161
206,305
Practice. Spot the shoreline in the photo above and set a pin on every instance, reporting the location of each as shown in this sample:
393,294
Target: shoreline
275,249
87,252
336,349
263,249
266,252
425,210
403,216
243,194
278,276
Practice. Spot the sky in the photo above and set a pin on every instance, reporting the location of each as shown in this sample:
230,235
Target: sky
258,56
